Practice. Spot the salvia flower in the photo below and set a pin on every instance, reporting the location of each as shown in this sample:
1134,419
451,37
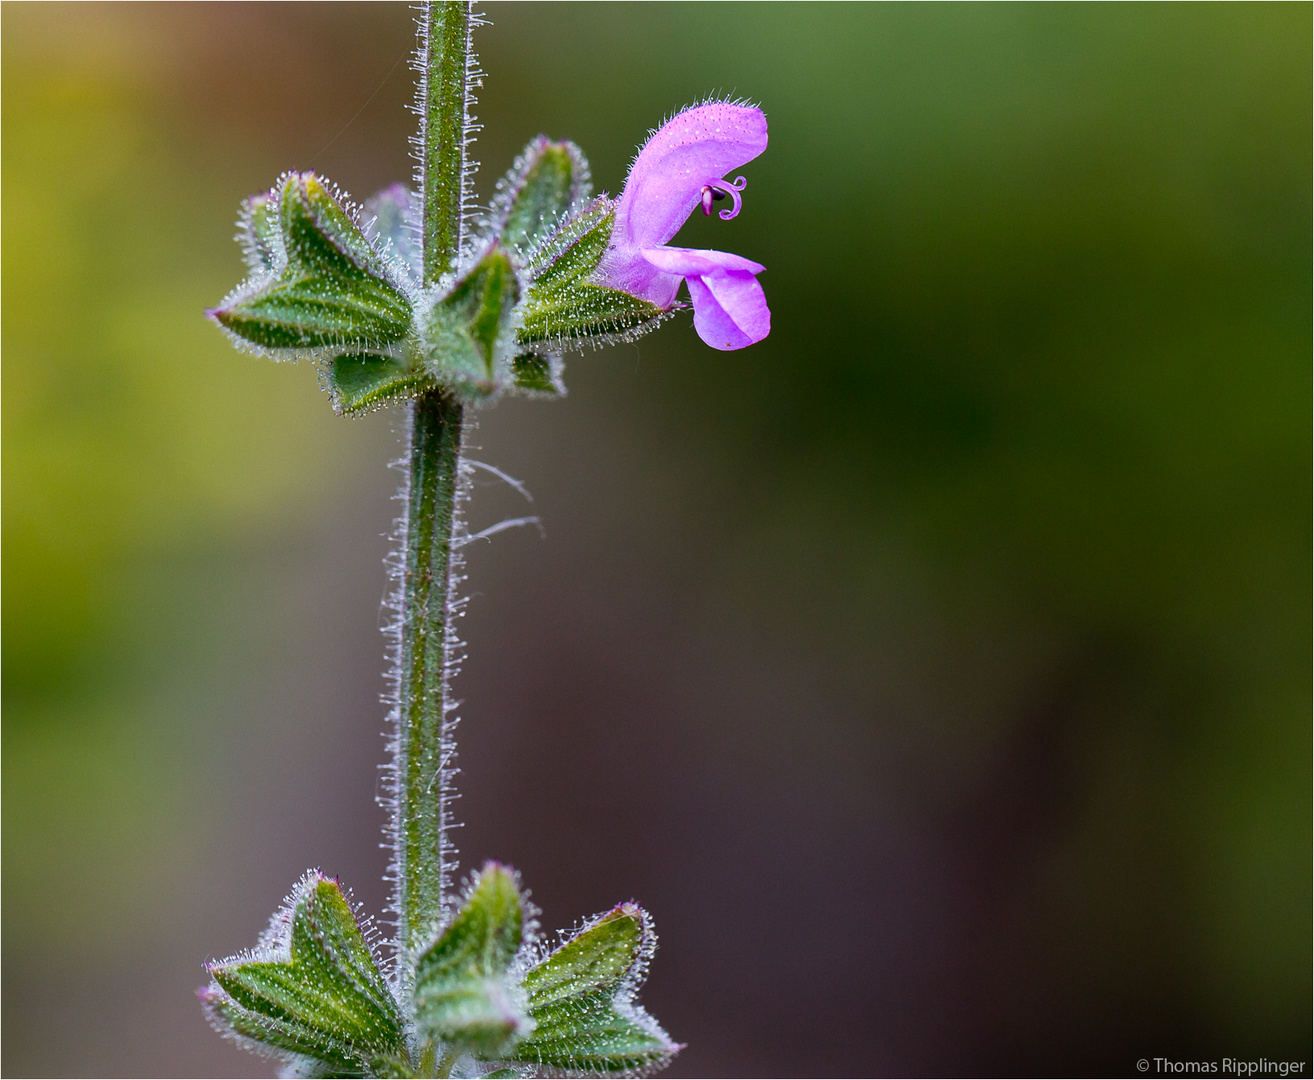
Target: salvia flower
679,170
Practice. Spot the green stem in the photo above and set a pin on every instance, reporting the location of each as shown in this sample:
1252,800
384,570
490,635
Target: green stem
424,746
444,104
423,749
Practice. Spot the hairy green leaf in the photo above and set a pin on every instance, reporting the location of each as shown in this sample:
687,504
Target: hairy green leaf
581,999
327,287
537,374
362,381
462,994
323,999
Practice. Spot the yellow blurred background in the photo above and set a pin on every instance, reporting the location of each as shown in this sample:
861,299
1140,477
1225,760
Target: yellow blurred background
936,672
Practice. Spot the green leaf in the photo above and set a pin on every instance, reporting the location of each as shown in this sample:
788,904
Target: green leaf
462,993
538,375
562,305
322,999
359,382
548,180
462,335
327,287
581,999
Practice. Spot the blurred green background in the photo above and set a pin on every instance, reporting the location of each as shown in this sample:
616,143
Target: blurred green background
936,672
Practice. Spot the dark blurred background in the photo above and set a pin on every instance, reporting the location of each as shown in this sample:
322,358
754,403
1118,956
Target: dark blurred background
937,672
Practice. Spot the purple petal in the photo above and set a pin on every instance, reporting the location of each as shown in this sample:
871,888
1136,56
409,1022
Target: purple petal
730,309
691,150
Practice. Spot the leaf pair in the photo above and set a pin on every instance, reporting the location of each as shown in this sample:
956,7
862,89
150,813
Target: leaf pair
313,992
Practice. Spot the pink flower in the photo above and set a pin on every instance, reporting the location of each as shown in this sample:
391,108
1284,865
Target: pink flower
678,170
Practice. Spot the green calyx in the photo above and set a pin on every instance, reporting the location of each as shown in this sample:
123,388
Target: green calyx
324,999
463,345
464,336
349,297
313,994
548,180
359,382
463,993
538,374
571,1012
541,215
318,283
564,307
581,1002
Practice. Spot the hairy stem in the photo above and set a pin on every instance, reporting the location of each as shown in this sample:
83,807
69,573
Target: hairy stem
423,744
422,767
444,105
